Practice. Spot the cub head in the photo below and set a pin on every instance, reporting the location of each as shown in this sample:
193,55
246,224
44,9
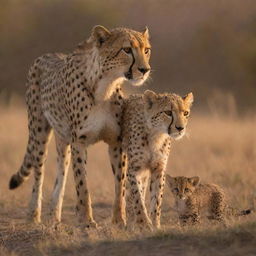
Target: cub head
123,53
167,112
182,187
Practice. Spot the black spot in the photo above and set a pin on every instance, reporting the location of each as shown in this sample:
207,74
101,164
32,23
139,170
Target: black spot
81,183
56,183
82,137
118,178
79,160
113,169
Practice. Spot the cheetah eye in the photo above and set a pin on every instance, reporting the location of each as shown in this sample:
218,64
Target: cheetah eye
127,50
147,50
186,113
168,113
176,190
187,190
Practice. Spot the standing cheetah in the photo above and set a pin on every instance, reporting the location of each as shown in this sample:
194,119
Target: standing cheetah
149,123
193,197
79,97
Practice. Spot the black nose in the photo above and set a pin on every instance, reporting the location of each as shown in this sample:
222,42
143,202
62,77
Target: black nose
143,70
179,128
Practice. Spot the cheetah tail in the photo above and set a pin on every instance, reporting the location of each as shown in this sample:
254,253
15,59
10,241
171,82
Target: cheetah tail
18,178
237,213
245,212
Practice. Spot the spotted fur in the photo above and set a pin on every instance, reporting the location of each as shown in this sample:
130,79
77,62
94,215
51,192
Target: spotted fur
79,97
193,198
149,123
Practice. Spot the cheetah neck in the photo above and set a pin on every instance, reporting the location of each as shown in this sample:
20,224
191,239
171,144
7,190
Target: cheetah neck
157,139
105,88
100,85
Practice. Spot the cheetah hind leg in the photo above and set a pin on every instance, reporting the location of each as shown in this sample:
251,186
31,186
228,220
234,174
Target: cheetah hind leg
130,214
40,154
63,162
39,135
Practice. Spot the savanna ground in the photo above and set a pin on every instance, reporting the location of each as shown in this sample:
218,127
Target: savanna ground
220,150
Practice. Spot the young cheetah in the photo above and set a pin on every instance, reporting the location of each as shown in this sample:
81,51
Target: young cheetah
149,122
192,197
79,97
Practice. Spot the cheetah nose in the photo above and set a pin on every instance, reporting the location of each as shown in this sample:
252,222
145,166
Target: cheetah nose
179,128
143,70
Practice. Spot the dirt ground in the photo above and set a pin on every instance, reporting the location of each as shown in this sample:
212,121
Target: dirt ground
219,150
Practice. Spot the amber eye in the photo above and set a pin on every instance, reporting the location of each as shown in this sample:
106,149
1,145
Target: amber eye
147,50
187,190
186,113
127,50
168,113
176,190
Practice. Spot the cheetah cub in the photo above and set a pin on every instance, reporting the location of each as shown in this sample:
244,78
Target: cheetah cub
150,121
192,197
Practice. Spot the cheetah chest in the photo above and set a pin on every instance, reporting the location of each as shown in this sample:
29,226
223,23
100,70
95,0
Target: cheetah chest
101,124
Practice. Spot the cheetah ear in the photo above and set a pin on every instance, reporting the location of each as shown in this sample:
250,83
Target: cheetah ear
189,98
145,33
170,180
150,97
194,180
100,34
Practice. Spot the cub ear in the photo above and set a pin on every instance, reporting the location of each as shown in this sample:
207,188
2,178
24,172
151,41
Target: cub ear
150,97
100,34
189,98
194,180
170,180
145,33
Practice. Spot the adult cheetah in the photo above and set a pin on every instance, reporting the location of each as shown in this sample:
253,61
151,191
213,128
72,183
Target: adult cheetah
79,97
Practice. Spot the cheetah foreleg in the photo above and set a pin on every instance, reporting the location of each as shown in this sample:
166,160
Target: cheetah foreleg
156,196
83,207
141,215
118,163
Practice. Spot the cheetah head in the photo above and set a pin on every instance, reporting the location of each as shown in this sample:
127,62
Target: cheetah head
167,113
123,53
182,187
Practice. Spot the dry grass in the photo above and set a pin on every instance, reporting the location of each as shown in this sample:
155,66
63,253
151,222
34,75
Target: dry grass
221,151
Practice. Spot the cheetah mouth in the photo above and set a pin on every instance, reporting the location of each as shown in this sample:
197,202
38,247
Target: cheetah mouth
175,135
128,75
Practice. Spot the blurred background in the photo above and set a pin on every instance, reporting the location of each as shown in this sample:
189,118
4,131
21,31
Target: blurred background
204,46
